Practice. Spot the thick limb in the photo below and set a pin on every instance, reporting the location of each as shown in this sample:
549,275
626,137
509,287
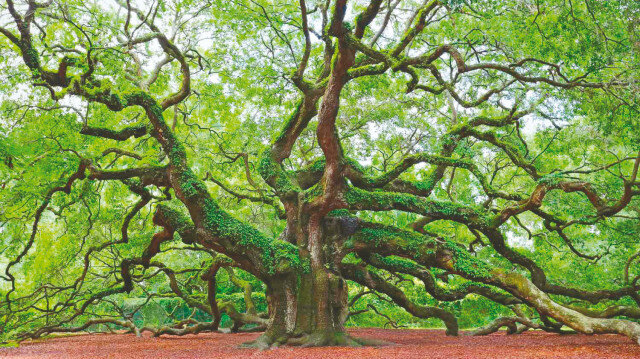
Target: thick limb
449,256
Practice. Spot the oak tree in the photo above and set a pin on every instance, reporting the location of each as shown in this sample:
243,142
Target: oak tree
474,148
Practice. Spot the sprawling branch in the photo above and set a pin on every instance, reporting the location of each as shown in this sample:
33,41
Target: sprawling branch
447,255
373,281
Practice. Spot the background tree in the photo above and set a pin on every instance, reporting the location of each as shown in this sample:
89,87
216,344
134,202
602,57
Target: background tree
481,148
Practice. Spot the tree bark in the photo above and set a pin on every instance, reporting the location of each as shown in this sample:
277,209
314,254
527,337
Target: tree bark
309,307
296,317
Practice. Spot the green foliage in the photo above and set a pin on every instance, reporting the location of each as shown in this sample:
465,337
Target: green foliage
464,262
465,150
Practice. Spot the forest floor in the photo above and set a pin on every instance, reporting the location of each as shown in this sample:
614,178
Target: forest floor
408,344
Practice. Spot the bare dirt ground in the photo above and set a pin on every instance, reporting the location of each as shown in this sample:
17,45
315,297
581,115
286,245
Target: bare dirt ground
408,344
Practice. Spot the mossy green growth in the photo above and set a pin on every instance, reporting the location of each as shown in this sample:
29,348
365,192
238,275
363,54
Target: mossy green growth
426,185
273,173
367,69
286,256
397,263
190,185
177,153
340,213
405,243
291,121
277,255
355,164
179,220
175,212
423,249
31,59
465,263
317,165
313,192
470,284
349,244
379,200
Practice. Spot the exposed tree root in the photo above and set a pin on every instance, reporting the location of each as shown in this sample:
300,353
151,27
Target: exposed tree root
510,322
316,339
59,329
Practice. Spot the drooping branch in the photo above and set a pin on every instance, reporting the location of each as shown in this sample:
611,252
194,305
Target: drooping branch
66,188
371,280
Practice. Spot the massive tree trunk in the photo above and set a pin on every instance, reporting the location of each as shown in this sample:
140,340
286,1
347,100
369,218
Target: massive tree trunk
306,311
308,307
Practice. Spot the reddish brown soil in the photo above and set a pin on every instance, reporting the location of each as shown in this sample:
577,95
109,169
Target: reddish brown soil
409,344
